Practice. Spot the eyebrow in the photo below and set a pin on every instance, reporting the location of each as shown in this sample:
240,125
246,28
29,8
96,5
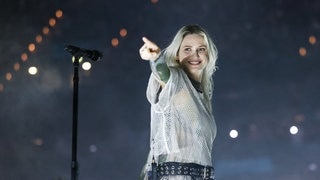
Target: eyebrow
191,46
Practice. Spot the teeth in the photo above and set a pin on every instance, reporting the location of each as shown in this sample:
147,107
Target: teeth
194,62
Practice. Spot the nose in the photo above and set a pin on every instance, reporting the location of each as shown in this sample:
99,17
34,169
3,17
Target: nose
196,53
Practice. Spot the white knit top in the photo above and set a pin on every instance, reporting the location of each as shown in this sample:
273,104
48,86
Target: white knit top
182,124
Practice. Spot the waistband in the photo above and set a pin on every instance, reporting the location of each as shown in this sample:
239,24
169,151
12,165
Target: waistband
189,169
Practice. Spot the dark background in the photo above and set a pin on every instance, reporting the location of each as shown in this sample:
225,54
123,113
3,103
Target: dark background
263,86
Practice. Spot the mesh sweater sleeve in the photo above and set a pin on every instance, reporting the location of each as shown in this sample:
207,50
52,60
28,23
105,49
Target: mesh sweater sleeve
160,69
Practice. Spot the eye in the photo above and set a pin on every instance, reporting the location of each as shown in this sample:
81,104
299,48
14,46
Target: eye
188,50
202,49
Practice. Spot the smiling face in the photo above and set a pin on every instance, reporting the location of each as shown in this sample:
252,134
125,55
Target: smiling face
193,55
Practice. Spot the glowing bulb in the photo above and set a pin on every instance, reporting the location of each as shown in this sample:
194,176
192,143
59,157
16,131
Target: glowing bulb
233,133
52,22
80,59
59,13
115,42
45,30
294,130
32,47
24,57
312,39
86,66
8,76
16,66
123,32
33,70
39,38
303,51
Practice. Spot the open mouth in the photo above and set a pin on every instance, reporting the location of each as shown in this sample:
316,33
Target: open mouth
194,62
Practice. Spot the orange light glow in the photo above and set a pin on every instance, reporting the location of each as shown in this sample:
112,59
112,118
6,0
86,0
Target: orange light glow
123,32
37,141
24,57
303,51
45,30
39,38
1,87
299,118
154,1
32,47
312,40
8,76
59,13
52,22
16,66
115,42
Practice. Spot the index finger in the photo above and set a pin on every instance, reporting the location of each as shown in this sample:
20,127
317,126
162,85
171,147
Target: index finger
147,41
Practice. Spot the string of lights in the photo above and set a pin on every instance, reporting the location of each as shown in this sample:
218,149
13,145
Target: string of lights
31,50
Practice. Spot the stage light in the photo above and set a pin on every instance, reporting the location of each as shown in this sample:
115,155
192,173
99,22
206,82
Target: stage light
8,76
16,66
312,39
39,38
33,70
123,32
80,59
115,42
294,130
86,66
45,30
31,47
24,57
233,133
59,13
302,51
52,22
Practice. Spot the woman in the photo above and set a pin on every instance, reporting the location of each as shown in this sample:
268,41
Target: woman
180,91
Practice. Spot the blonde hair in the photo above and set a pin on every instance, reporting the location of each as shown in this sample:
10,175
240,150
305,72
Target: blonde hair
172,50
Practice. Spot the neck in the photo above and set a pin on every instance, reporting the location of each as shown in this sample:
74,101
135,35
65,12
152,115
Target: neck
196,77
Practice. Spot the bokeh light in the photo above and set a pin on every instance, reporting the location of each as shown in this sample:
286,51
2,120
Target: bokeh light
16,66
233,133
1,87
45,30
52,22
33,70
115,42
123,32
312,40
24,57
302,51
93,148
86,66
8,76
294,130
37,141
39,38
59,13
31,47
